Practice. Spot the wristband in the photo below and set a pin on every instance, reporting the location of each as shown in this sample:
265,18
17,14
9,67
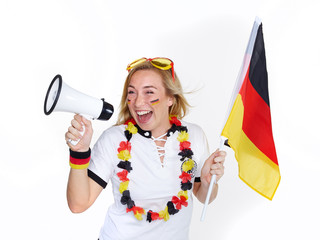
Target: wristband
79,160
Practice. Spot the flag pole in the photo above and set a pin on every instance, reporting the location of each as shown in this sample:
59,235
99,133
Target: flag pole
213,181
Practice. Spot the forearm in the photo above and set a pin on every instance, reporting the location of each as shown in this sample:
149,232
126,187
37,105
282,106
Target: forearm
78,190
81,190
202,191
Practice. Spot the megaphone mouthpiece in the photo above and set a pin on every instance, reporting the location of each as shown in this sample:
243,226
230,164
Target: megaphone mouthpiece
106,112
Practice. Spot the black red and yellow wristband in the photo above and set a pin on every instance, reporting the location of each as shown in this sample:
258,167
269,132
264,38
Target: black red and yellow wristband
80,160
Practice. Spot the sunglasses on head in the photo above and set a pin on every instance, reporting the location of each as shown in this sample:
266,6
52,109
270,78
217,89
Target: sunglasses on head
158,62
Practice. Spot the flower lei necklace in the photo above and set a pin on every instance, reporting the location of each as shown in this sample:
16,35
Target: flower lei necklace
176,202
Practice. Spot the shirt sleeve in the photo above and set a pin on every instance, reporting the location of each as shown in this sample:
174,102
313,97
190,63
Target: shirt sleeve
102,164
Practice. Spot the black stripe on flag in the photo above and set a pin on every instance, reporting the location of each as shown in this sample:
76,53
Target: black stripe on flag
258,75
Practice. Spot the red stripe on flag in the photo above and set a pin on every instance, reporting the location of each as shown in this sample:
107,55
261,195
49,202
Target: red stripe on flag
257,120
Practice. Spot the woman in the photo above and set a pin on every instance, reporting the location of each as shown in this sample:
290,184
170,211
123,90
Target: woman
154,160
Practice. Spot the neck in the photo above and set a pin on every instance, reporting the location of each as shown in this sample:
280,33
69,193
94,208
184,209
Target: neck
157,134
161,130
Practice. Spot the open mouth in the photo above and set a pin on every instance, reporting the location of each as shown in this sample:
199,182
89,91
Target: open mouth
144,116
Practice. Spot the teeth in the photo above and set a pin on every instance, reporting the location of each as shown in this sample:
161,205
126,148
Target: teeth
143,113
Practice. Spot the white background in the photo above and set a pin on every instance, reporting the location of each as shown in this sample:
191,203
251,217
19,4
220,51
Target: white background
90,43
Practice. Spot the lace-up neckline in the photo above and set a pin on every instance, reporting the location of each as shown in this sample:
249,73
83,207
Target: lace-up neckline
162,138
160,149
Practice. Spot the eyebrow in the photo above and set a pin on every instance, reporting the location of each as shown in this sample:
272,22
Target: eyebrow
145,87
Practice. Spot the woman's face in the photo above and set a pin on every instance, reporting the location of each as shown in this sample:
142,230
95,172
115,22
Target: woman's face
148,102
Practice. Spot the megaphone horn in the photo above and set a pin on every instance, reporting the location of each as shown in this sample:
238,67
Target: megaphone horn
63,98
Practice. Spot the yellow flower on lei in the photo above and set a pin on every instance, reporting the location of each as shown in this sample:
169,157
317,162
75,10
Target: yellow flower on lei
131,128
124,155
183,136
123,186
139,215
164,214
188,165
183,193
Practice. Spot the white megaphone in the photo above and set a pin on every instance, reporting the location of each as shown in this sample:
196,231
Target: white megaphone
62,98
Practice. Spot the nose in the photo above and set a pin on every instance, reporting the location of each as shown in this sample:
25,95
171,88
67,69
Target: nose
140,101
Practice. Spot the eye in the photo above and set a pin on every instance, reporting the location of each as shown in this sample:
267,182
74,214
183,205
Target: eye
149,92
130,92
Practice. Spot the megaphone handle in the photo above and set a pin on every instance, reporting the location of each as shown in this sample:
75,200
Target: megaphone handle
75,142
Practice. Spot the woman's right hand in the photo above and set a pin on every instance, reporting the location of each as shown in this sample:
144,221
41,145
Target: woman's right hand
78,124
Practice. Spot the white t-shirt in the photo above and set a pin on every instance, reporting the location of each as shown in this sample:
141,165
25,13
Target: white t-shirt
152,183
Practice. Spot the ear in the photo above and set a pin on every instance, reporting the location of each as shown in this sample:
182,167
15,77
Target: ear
170,101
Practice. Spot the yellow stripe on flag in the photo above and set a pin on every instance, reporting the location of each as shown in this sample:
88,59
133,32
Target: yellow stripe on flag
255,168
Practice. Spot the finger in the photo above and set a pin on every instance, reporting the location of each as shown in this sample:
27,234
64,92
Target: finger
214,158
215,166
215,153
210,159
218,153
221,154
214,172
219,172
74,132
219,160
86,121
78,117
77,125
66,136
87,125
69,136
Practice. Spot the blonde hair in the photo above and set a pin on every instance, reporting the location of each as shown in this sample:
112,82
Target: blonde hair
180,105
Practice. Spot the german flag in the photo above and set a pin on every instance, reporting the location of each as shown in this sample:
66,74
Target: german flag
248,127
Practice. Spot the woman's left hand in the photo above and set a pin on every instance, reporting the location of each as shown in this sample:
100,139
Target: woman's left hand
213,166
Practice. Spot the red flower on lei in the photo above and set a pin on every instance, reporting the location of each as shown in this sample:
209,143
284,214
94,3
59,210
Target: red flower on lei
154,215
123,176
185,177
124,145
185,145
174,120
130,120
178,202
